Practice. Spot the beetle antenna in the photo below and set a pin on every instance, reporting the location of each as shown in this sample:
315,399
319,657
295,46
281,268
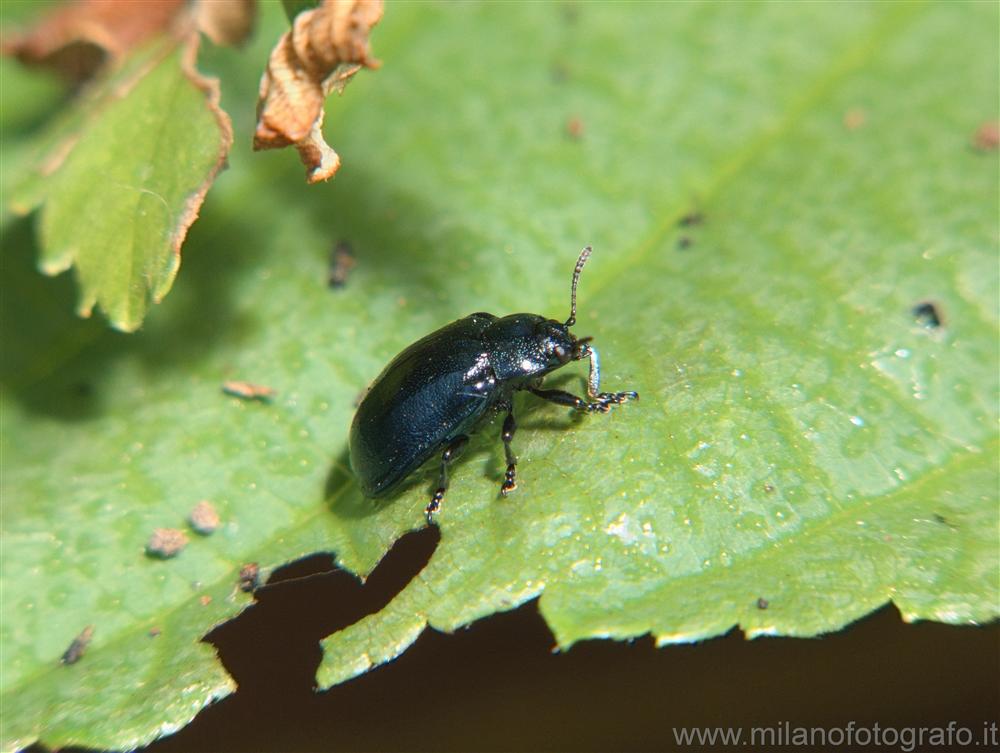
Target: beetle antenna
584,255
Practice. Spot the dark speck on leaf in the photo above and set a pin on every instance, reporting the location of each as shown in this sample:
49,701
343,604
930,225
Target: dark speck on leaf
76,649
987,136
249,577
768,488
571,13
938,518
928,314
248,390
855,118
560,73
166,543
574,128
684,242
342,261
691,219
763,603
203,518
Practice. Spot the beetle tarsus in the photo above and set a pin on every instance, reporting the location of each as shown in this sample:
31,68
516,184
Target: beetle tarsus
434,505
507,435
509,480
602,402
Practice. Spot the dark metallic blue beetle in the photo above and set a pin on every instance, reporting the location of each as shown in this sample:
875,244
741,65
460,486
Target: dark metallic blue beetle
432,395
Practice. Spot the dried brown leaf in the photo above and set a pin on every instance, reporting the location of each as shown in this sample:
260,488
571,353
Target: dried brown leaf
78,38
210,86
324,49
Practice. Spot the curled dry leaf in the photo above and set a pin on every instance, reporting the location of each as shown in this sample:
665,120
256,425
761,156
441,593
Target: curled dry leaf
78,38
324,49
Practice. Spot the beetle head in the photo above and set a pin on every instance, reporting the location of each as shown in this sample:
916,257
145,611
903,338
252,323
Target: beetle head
557,343
528,346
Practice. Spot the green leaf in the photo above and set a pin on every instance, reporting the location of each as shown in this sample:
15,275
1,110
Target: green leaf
142,152
801,438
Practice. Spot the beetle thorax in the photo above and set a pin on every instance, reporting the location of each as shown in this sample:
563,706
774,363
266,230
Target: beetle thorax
522,347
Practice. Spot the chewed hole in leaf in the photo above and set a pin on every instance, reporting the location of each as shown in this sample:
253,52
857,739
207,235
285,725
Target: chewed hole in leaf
305,601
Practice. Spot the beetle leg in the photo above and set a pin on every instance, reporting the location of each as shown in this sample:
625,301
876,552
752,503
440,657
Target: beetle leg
507,435
451,452
602,401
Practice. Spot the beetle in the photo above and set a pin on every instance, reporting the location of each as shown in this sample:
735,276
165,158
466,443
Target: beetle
432,395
